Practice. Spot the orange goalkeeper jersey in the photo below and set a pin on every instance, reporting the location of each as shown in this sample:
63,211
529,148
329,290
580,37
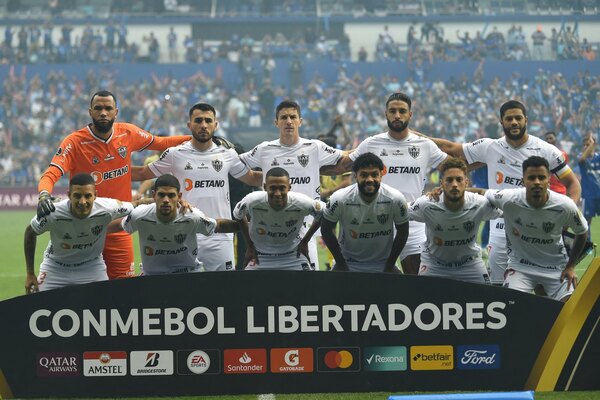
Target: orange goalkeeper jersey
107,160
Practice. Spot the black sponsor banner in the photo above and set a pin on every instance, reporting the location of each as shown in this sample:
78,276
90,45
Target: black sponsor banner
270,332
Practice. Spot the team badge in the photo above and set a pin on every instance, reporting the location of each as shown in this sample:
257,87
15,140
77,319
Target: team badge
217,165
95,160
548,226
382,218
469,225
414,151
188,166
180,238
303,160
96,230
122,151
291,223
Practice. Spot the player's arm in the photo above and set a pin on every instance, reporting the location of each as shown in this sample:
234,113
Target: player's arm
397,246
328,234
115,226
573,186
452,148
252,178
161,143
588,151
251,256
303,245
141,173
29,244
344,164
569,271
45,186
344,182
227,226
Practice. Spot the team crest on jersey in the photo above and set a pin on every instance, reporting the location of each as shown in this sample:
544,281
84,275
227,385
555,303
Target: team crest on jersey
291,223
548,226
180,238
188,166
95,160
383,153
414,151
217,165
96,230
122,151
382,218
469,225
303,160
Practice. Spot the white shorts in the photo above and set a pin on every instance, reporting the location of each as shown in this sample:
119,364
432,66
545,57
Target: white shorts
472,271
415,241
287,261
524,282
497,259
215,255
54,274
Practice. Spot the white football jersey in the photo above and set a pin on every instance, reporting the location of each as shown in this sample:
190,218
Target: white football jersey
534,236
407,161
73,240
203,176
168,247
366,229
301,160
452,235
505,165
276,231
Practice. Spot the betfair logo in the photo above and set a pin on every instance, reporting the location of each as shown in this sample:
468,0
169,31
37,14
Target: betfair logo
427,358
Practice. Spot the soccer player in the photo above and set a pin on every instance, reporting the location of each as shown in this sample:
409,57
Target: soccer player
168,237
77,233
504,158
367,212
534,218
451,224
408,158
555,184
103,149
301,158
589,167
276,218
203,169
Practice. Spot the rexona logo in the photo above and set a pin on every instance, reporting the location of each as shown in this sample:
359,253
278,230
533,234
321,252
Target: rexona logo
431,358
478,357
151,362
104,363
338,359
198,362
292,360
385,358
245,361
58,364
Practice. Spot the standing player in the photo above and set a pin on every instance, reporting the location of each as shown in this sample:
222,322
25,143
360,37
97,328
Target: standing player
589,167
167,237
77,233
276,219
103,149
452,223
367,212
534,218
504,158
408,158
203,168
301,158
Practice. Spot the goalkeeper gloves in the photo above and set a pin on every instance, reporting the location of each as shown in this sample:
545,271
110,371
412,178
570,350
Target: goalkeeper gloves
45,204
220,141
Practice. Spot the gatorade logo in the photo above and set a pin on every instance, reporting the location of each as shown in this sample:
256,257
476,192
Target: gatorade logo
339,359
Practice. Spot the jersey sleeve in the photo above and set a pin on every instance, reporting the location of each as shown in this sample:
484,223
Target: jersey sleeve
362,148
129,223
204,225
65,157
558,162
40,226
252,158
317,208
118,208
416,209
327,154
576,221
163,143
491,211
139,139
333,209
477,150
238,168
497,198
241,208
400,210
164,163
437,155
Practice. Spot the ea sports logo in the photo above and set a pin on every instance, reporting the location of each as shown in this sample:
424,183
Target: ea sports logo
198,362
338,359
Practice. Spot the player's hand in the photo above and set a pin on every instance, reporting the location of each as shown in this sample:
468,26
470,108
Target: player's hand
220,141
391,268
569,274
340,267
31,284
184,206
302,249
434,194
251,257
45,205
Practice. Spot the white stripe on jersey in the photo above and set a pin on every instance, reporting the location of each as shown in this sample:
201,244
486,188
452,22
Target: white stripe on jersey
407,161
74,240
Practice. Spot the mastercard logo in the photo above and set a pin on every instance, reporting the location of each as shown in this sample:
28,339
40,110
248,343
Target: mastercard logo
338,359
